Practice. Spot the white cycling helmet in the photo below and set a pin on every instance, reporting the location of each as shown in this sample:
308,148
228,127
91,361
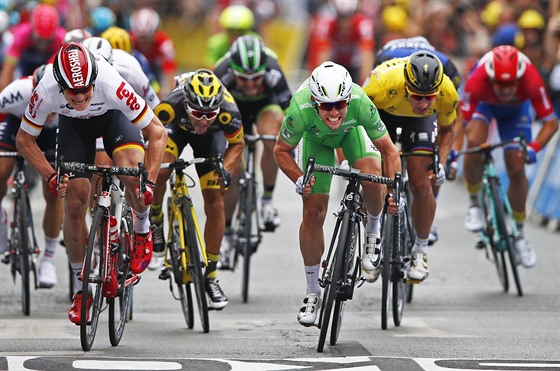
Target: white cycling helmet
100,46
4,21
330,82
144,22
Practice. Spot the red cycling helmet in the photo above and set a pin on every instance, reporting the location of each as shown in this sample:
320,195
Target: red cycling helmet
45,21
144,22
74,67
505,64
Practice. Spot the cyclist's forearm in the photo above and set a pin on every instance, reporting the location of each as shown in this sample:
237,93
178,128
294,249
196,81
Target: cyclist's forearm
444,142
548,129
233,154
157,137
283,157
27,147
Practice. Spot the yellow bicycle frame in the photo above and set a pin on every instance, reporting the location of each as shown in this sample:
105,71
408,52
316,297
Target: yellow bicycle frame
180,190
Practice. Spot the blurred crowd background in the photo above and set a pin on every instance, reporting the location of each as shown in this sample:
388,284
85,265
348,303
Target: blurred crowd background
463,29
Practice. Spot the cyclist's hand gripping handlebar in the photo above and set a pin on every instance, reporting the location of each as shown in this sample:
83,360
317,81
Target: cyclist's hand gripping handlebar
146,187
306,178
222,172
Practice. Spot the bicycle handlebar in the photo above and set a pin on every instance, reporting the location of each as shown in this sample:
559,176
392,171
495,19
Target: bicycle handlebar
352,174
487,147
180,164
105,170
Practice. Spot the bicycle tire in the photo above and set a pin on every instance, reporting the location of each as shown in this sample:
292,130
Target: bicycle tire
386,243
489,209
119,307
194,263
183,290
399,254
248,210
506,234
331,288
93,274
23,251
410,237
348,267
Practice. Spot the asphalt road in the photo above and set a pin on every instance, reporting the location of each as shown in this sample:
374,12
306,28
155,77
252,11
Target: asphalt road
458,319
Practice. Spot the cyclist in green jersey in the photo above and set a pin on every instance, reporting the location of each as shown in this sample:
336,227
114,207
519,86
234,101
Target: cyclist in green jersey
328,112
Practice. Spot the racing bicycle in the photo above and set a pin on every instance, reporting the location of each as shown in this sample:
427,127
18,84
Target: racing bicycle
185,252
500,232
106,271
23,249
247,229
341,270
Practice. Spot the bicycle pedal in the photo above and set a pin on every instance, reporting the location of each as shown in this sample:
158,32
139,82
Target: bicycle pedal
164,274
269,227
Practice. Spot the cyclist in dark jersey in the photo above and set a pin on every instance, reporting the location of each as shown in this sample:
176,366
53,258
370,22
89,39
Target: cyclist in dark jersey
250,71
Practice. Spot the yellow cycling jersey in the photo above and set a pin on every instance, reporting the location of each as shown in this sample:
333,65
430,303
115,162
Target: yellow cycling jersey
385,88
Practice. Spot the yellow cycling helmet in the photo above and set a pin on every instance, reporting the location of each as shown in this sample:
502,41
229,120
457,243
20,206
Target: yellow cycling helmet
490,15
530,18
118,38
203,90
237,17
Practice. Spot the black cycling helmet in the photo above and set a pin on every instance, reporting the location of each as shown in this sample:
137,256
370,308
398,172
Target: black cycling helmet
423,72
203,90
248,55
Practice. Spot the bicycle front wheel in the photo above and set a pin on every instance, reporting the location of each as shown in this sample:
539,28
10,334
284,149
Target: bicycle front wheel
195,263
248,208
388,240
399,254
332,287
489,207
22,246
93,273
119,307
505,229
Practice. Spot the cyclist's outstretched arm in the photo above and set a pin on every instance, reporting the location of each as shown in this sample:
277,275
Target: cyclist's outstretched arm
157,136
233,154
389,154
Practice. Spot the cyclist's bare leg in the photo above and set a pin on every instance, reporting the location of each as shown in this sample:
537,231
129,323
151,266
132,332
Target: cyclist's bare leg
518,183
269,123
311,238
54,211
76,203
6,166
215,225
424,204
161,181
130,157
477,133
374,193
230,196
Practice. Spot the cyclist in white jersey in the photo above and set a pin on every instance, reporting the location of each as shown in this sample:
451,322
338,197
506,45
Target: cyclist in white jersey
90,107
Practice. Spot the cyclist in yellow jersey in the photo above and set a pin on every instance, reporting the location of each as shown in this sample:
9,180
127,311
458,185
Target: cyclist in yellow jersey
413,93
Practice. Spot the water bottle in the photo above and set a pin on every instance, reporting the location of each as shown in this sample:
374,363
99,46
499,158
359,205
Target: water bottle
113,231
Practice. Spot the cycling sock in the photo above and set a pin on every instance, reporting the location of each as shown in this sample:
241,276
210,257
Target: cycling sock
421,244
312,276
77,272
373,225
141,222
156,213
267,192
520,229
212,262
474,191
50,248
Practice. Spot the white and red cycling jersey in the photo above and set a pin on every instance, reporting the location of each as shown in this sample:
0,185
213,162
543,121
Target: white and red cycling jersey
111,92
129,68
15,97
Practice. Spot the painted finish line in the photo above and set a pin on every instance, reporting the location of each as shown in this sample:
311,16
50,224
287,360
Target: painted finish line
46,363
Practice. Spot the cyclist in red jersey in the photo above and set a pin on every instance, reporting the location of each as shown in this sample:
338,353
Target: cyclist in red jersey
345,37
33,43
156,45
503,86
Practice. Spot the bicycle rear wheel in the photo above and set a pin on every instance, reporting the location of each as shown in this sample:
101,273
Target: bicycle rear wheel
386,249
505,229
332,286
119,307
195,263
93,274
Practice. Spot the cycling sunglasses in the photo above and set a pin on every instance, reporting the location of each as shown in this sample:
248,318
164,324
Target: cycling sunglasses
199,115
342,104
85,90
508,84
247,76
420,97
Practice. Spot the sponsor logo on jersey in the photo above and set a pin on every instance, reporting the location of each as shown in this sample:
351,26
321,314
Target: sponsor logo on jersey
34,104
11,99
131,101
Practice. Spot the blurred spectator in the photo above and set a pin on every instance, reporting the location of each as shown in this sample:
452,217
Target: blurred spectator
235,21
33,44
156,45
344,35
395,22
100,19
4,24
508,34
